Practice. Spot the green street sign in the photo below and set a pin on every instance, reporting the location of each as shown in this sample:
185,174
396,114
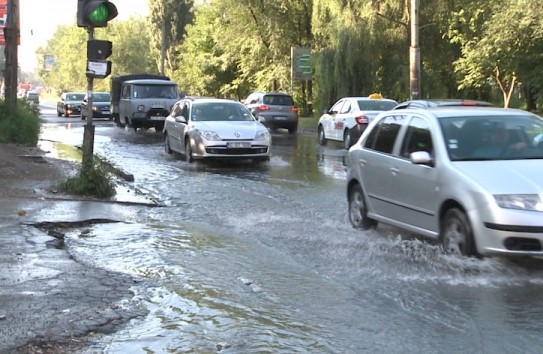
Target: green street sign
301,63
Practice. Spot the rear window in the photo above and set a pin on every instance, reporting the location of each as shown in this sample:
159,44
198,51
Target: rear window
278,100
375,105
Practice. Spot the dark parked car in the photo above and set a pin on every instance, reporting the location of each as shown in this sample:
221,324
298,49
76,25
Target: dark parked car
100,105
32,97
277,110
69,103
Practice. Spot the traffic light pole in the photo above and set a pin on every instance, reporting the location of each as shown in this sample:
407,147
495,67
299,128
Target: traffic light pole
88,135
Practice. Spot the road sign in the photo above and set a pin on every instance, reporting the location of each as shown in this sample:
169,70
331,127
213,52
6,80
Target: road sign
48,62
301,63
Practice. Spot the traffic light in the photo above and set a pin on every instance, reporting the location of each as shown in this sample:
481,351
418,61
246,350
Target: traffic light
97,53
95,13
98,49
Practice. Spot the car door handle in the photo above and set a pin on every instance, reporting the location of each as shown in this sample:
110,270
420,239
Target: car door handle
394,170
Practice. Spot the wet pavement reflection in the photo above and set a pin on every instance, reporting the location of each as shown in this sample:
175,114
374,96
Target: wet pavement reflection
246,259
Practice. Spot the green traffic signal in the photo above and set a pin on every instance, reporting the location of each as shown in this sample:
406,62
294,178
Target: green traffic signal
99,15
95,13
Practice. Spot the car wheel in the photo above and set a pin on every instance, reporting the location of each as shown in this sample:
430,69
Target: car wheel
347,142
188,151
293,130
59,113
358,210
167,147
320,136
456,234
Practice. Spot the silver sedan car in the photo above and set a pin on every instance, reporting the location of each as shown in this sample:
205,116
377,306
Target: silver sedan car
470,177
212,128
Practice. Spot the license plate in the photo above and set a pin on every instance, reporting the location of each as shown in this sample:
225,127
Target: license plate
158,118
281,118
238,144
106,112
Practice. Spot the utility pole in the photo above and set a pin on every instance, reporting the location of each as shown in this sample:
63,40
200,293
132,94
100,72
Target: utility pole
88,132
414,53
11,36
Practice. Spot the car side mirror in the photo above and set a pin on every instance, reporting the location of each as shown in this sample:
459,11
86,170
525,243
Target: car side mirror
253,102
180,119
261,119
421,158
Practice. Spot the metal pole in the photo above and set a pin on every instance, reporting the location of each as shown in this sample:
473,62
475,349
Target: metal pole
414,52
88,134
163,45
11,37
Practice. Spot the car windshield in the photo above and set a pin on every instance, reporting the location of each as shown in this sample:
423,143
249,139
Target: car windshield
375,105
100,97
220,111
278,100
75,96
475,138
156,91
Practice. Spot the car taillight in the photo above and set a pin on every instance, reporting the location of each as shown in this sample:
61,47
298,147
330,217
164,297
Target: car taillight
361,120
294,109
263,107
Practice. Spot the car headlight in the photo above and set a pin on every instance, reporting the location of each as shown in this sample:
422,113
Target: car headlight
210,135
519,201
262,135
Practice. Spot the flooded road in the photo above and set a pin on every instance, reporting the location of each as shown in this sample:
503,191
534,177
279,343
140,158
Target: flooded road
245,259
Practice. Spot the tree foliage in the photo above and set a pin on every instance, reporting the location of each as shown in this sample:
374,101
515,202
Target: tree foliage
131,54
167,22
477,49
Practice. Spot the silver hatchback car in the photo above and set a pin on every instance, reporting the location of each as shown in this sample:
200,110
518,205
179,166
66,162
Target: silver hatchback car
470,177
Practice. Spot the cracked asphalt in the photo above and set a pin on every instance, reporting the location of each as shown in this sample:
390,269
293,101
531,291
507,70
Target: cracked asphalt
50,302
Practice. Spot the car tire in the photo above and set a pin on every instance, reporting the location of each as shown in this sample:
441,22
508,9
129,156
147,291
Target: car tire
188,151
456,234
167,147
320,136
59,113
358,210
347,142
293,130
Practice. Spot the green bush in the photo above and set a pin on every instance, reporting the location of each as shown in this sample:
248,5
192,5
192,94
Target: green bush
93,180
19,124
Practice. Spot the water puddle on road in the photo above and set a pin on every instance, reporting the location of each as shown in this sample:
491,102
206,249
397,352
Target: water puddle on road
204,290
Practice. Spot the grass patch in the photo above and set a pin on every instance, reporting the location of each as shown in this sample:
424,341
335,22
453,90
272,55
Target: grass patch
95,180
19,124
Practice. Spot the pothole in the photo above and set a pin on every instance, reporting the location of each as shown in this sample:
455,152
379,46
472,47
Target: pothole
58,229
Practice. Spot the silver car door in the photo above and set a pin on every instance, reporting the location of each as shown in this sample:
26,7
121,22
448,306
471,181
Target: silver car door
377,159
415,186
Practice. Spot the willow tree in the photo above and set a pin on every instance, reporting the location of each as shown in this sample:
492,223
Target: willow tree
166,28
360,48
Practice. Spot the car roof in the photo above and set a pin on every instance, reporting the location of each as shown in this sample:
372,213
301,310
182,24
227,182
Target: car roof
366,98
455,111
150,82
212,100
432,102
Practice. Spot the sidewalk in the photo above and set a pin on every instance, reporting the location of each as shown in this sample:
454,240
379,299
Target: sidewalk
48,298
